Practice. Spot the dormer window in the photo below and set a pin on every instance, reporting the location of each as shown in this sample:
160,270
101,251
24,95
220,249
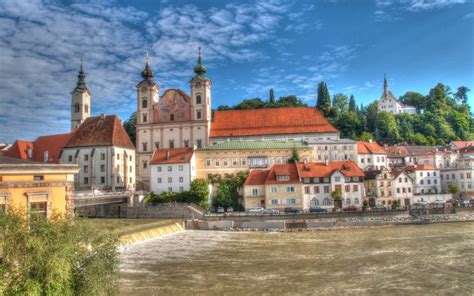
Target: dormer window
283,178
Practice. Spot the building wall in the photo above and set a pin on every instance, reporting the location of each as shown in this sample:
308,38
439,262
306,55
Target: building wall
176,176
308,137
239,160
427,181
376,161
108,168
18,190
462,176
334,151
381,188
251,200
403,189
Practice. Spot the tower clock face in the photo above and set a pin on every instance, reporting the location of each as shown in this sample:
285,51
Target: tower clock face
198,84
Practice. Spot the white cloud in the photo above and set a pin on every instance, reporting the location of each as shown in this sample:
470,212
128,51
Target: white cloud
390,10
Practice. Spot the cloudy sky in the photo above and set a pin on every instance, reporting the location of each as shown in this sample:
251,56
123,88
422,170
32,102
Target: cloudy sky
248,47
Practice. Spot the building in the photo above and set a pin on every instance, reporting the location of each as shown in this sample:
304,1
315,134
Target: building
272,124
404,155
80,101
426,178
321,179
379,187
454,145
104,153
174,120
334,150
403,187
36,189
172,170
389,103
242,156
461,173
371,156
276,188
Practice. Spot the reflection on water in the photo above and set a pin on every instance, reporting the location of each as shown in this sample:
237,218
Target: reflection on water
408,260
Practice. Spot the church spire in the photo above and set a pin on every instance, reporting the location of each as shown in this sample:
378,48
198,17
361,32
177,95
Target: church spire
147,73
81,82
385,84
200,69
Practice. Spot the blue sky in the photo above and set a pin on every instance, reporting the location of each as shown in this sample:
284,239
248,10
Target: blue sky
248,48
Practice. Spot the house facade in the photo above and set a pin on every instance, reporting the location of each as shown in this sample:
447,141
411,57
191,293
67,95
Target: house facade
371,156
379,187
403,188
426,179
334,150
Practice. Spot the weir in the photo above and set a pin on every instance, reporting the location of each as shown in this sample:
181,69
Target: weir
151,232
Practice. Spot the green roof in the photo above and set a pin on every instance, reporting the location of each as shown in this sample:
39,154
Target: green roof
248,145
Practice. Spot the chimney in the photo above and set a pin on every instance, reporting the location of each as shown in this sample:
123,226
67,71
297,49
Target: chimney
370,140
167,155
327,162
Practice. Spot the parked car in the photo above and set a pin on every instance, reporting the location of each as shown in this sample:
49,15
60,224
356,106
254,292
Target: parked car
378,208
350,209
471,202
317,210
271,211
229,209
220,210
291,211
256,210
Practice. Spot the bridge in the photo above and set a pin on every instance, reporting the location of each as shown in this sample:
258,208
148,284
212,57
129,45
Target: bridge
91,199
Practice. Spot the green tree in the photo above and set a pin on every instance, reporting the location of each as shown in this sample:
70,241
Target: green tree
200,190
461,94
337,197
371,117
323,102
272,96
56,257
295,156
414,99
130,127
224,194
365,136
339,103
453,188
352,104
289,101
387,129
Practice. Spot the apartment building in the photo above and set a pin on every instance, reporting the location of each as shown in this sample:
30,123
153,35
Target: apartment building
379,187
371,156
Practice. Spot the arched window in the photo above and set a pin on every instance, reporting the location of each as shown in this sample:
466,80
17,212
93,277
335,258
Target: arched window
198,99
86,107
348,201
356,201
144,103
326,201
171,144
314,202
77,108
171,117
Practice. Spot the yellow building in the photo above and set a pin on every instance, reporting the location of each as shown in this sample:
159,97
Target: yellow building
34,188
242,156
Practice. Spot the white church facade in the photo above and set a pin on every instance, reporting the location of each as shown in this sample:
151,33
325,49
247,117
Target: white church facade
389,103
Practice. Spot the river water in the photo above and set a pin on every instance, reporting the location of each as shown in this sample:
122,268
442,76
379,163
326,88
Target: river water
435,259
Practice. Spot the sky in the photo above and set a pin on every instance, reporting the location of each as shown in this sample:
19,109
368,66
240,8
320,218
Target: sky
248,48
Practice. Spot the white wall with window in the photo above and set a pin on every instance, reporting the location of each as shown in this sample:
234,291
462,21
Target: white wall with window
175,177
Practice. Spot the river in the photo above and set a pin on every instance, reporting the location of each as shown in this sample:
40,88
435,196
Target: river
434,259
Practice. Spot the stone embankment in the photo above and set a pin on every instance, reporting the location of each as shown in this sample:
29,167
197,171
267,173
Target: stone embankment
324,223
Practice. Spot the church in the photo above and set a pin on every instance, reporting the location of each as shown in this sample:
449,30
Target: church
178,120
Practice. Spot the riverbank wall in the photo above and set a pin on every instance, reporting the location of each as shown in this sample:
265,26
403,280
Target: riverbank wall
269,224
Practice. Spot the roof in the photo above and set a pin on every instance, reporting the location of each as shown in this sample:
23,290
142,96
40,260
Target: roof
411,150
270,121
462,144
258,145
420,167
317,169
257,177
9,164
172,155
19,149
104,130
283,170
370,148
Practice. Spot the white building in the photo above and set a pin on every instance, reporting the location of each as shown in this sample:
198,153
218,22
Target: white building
334,149
389,103
426,178
321,179
80,101
104,153
461,173
172,170
403,186
371,156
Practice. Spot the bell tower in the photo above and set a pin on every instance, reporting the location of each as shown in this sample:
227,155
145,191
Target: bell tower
80,101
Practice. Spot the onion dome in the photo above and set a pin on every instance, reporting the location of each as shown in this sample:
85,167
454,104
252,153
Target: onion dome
200,69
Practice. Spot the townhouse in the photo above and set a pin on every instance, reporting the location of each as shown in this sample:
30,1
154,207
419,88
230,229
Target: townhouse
379,187
371,156
461,173
426,179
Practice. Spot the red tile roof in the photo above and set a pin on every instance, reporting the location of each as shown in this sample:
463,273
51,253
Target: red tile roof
236,123
53,144
370,148
321,170
462,144
283,170
101,131
420,167
172,155
257,177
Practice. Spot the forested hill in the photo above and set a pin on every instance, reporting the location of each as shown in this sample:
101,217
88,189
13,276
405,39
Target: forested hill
442,116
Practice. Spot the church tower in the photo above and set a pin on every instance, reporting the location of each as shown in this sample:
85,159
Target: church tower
80,101
201,101
148,92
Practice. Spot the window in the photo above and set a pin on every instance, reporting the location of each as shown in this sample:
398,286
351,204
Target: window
144,146
38,209
145,118
347,188
158,169
409,189
234,161
274,201
145,164
171,143
118,167
38,178
102,180
316,189
118,156
77,108
157,145
348,201
314,202
86,157
421,174
102,168
326,189
208,162
243,161
170,168
291,201
186,143
226,163
118,180
130,169
290,189
356,201
218,162
306,189
355,188
255,191
69,158
86,180
180,168
170,179
326,201
86,169
198,114
181,179
199,143
274,189
338,179
198,99
144,103
170,189
102,156
158,180
171,117
398,190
